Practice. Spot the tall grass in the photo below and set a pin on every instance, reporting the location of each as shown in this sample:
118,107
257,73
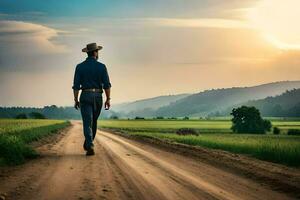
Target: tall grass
279,149
15,135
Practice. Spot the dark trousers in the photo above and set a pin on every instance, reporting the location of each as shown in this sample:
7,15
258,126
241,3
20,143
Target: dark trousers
90,108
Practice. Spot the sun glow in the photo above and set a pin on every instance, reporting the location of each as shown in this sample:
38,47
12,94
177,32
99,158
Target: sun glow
278,21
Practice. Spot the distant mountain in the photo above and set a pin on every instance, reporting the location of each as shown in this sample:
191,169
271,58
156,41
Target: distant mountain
218,100
146,107
284,105
272,99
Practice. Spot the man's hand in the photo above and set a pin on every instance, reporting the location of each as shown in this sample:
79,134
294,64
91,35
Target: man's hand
107,104
76,105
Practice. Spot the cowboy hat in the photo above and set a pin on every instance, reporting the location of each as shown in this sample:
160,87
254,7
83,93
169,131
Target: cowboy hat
91,47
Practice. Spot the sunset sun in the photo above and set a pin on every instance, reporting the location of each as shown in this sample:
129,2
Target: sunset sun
278,21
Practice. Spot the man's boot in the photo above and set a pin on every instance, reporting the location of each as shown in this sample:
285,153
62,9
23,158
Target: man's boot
90,151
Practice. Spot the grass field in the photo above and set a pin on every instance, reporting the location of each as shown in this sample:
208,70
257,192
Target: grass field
16,134
204,126
281,148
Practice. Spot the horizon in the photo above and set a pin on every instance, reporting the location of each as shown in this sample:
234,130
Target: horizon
162,95
150,49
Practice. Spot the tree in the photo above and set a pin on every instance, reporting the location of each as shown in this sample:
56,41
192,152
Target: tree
114,117
248,120
21,116
37,115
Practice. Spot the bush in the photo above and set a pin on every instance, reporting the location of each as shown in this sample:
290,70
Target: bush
159,117
267,125
139,117
276,131
114,117
37,115
14,151
293,132
186,118
187,131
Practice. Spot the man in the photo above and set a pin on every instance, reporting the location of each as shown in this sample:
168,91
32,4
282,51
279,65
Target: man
91,77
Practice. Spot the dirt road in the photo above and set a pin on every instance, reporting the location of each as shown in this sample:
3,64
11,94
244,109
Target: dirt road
123,169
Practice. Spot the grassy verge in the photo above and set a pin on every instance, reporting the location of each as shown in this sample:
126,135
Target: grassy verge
283,149
15,135
278,149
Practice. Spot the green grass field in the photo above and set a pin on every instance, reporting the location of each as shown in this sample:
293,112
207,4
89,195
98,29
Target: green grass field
203,126
15,135
284,149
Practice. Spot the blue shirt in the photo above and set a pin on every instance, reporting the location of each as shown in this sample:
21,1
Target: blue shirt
91,74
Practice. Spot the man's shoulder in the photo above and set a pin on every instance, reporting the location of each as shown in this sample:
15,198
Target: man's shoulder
83,63
100,63
80,64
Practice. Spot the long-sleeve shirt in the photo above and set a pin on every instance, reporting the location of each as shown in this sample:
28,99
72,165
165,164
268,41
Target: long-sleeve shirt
91,74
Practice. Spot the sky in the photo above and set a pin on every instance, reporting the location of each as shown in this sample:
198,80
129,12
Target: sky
150,48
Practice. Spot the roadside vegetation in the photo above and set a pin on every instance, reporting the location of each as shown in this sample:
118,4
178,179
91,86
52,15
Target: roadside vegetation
217,134
17,134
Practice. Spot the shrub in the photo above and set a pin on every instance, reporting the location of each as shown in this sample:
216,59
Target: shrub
293,132
276,131
114,117
267,125
187,131
13,150
186,118
139,117
37,115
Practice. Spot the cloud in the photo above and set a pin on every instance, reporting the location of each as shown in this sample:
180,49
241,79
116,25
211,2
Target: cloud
198,22
118,23
17,33
25,45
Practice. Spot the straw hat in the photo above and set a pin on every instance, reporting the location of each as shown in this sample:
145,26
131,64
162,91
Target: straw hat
91,47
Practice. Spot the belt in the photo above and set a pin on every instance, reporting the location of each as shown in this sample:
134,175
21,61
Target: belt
92,90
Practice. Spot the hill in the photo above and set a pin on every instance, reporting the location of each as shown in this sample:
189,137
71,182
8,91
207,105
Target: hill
145,107
217,100
269,98
284,105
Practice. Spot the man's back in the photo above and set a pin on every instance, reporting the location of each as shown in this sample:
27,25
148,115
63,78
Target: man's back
91,74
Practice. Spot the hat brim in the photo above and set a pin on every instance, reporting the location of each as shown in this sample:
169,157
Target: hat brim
85,49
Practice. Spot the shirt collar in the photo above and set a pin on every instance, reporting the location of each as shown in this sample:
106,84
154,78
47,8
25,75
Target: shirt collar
90,58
